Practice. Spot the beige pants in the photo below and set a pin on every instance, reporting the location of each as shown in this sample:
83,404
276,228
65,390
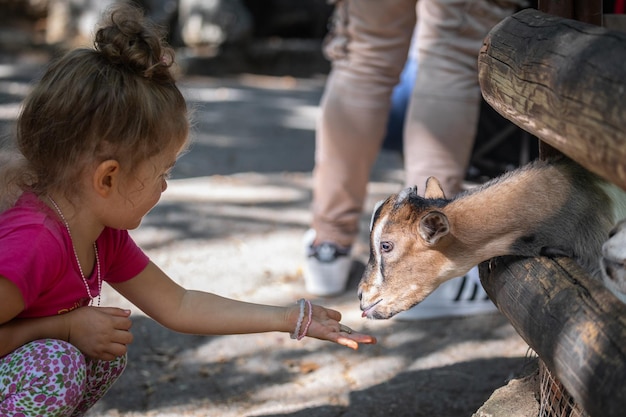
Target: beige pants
368,47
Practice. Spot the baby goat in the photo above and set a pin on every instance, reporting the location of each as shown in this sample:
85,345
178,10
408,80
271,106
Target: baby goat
545,208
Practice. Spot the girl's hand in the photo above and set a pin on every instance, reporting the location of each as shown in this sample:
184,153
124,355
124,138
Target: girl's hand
100,332
325,325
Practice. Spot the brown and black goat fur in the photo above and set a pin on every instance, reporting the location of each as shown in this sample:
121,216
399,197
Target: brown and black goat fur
545,208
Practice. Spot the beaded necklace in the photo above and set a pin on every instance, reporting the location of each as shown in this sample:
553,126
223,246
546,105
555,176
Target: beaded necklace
80,269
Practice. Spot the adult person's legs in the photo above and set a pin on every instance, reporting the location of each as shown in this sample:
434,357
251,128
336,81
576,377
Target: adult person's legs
442,117
368,48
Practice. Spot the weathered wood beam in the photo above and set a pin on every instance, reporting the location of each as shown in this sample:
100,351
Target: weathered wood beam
572,322
563,81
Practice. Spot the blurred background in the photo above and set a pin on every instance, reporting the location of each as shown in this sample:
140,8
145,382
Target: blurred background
227,38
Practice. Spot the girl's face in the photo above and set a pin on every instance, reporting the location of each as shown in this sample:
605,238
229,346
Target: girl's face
140,192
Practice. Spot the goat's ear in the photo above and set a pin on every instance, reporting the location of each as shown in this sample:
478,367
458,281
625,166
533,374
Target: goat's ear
433,226
433,189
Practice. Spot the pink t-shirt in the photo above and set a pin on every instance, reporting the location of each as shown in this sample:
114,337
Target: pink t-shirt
36,254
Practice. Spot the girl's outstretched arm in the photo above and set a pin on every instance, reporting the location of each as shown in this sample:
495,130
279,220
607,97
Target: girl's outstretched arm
197,312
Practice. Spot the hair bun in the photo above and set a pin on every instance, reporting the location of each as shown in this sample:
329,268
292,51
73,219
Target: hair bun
126,38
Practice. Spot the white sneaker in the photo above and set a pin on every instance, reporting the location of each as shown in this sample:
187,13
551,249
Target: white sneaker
462,296
327,268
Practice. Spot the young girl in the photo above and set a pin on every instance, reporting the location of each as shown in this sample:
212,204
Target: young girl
98,136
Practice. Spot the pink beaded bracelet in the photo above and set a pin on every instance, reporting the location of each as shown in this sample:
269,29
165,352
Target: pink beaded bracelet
308,323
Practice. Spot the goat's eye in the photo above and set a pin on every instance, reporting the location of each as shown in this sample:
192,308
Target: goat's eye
386,246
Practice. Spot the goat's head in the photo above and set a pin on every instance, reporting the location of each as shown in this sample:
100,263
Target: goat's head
409,240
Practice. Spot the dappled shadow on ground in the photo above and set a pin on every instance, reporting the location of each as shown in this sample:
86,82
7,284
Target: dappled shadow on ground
239,124
250,124
215,208
456,390
169,370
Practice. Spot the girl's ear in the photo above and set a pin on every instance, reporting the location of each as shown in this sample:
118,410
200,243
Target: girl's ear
106,177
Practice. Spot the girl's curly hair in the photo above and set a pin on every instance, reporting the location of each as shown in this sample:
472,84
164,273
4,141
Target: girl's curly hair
118,100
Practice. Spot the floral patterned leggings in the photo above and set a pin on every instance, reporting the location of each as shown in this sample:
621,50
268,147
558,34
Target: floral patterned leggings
52,378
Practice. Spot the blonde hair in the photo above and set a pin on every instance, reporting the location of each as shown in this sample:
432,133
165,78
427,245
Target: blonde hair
118,100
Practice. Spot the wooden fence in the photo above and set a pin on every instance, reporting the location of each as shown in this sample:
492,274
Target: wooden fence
564,81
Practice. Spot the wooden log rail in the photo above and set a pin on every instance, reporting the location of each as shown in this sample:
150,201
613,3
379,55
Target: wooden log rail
565,82
575,326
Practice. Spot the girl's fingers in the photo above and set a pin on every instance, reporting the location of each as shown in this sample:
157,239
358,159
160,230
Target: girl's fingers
352,340
122,337
344,341
359,338
333,314
114,311
327,326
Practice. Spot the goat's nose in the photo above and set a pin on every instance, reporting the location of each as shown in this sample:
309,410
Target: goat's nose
359,294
